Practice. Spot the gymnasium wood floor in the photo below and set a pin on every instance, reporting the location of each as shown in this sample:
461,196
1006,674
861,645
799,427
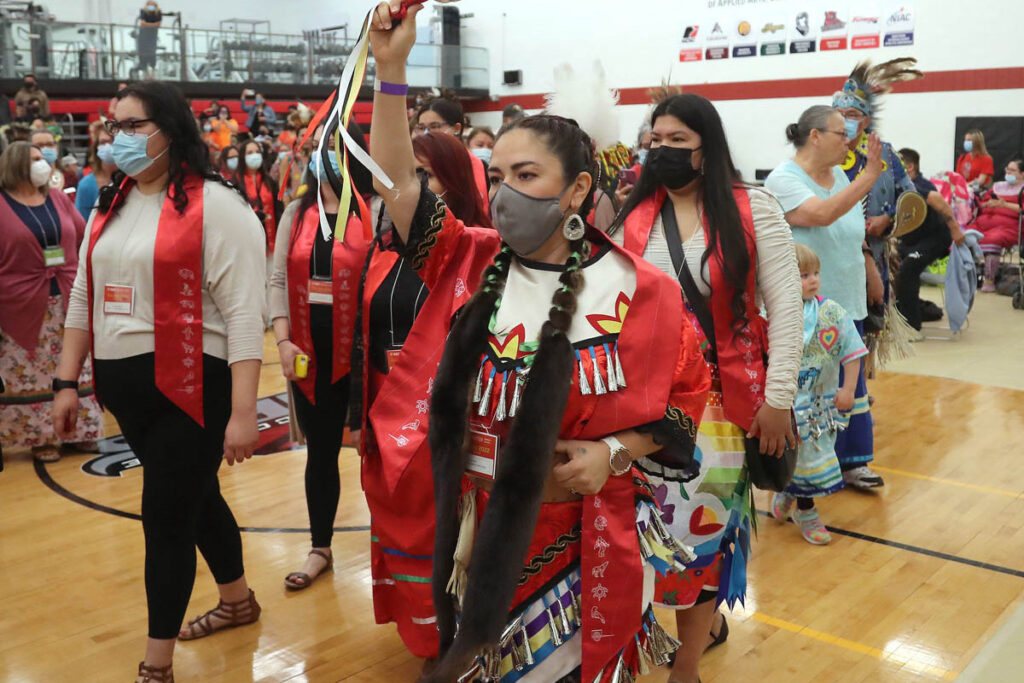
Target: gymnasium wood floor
918,578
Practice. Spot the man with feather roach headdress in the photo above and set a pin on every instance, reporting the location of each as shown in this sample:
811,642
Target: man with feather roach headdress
859,103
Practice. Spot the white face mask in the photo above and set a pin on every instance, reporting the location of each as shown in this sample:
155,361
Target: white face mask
254,160
39,172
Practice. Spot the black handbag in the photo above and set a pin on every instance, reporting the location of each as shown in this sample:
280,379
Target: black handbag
765,471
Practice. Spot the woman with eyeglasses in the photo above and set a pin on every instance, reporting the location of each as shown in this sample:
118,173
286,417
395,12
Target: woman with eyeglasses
39,236
227,161
169,297
392,294
313,304
101,161
445,115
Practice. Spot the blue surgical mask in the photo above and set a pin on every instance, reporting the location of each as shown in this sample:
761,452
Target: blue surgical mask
254,160
259,100
641,155
282,156
318,169
232,163
968,145
852,128
207,127
130,152
50,154
105,153
483,154
1011,179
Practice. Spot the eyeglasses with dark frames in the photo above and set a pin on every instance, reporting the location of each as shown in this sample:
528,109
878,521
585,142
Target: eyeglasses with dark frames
127,126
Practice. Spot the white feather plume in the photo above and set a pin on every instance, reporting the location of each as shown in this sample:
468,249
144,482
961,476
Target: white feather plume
587,99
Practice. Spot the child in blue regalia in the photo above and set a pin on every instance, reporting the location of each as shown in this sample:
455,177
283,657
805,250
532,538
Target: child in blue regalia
822,406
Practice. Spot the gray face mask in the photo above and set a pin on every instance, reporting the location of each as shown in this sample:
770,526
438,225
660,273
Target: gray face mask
525,223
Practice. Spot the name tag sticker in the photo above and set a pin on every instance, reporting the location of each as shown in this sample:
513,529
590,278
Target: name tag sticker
54,256
483,453
320,292
118,299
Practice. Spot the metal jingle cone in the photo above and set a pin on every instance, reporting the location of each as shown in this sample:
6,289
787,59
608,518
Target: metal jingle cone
563,619
556,637
613,384
517,391
642,658
485,399
577,609
599,388
479,388
500,413
527,652
471,673
584,384
620,376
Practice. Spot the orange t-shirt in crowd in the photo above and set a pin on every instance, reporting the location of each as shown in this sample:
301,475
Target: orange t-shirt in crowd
221,133
971,166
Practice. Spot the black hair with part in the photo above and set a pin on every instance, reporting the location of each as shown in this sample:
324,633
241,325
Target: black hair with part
508,524
187,154
448,109
719,178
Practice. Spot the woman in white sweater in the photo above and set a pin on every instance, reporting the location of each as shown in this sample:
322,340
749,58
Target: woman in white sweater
731,249
169,297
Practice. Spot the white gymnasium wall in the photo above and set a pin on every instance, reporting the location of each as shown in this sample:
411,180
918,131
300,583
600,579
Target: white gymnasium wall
638,42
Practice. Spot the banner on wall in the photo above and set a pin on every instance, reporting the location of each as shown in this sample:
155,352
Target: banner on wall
834,26
693,44
744,43
772,33
899,24
717,39
803,31
865,26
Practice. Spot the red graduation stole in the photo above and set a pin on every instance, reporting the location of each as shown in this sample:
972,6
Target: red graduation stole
177,294
347,258
740,355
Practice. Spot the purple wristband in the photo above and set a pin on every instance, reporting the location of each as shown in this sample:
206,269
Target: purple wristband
386,88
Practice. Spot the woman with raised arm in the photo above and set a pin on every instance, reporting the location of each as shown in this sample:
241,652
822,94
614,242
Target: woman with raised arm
537,411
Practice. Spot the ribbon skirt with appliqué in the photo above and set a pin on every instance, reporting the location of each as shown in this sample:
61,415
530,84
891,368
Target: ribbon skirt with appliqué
708,506
542,641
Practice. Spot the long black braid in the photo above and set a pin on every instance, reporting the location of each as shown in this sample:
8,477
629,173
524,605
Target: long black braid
525,462
188,154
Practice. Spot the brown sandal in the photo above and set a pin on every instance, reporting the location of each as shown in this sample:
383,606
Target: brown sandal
232,614
155,674
47,453
290,580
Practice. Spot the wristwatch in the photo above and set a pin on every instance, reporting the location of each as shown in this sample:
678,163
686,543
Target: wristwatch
60,384
620,460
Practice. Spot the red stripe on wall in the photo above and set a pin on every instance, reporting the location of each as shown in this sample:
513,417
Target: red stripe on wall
935,81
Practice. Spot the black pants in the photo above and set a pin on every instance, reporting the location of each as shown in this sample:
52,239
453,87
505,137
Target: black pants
914,259
182,507
324,427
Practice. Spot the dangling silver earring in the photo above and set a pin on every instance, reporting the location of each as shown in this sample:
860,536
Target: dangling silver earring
574,228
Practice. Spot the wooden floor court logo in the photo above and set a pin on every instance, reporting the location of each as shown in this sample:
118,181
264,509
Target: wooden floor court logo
116,455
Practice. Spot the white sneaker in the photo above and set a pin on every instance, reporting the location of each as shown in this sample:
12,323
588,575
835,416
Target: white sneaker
863,478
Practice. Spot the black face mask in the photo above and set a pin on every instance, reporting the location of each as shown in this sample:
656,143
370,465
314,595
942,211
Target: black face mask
672,166
30,85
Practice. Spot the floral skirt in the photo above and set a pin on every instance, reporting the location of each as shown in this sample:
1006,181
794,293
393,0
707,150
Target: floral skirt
25,419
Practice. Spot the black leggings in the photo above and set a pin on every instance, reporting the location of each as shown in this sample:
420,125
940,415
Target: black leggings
182,507
324,426
915,259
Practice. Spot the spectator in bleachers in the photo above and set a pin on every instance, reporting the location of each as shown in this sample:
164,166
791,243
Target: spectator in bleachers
999,219
101,163
148,21
47,144
975,164
258,111
223,127
30,101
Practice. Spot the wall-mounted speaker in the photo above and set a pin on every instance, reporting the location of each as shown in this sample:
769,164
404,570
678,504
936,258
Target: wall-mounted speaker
514,77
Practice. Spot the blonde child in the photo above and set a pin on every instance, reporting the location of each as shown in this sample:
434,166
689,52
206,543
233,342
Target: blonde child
822,406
